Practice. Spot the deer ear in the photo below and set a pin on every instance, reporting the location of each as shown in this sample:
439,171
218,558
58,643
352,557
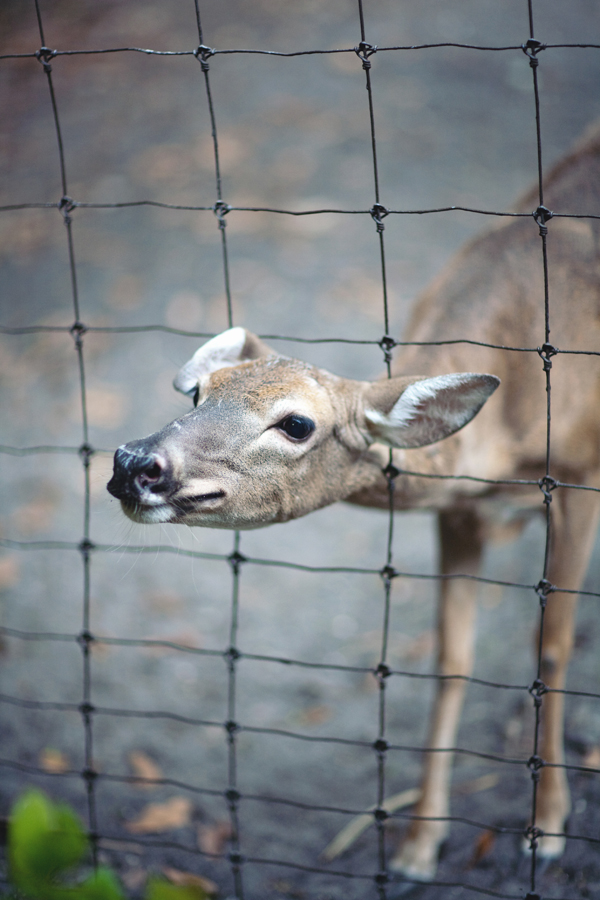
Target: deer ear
413,412
226,349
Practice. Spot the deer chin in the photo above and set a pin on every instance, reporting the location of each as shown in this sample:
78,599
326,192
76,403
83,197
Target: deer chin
148,514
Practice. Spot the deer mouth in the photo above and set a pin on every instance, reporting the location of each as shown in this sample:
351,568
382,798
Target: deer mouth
146,513
192,504
173,510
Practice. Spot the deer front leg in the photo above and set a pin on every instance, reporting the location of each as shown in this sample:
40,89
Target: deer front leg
460,553
575,520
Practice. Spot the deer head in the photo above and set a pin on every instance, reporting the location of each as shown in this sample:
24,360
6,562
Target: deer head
271,438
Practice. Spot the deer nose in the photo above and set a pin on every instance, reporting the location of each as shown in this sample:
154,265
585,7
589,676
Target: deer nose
134,472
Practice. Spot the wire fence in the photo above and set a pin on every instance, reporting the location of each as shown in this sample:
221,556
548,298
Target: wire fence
378,878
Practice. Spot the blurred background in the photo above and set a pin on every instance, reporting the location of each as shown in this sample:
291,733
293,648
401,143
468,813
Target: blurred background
454,126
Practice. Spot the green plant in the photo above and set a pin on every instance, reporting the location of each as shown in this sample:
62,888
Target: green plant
46,846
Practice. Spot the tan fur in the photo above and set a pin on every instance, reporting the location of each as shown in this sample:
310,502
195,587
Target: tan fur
229,463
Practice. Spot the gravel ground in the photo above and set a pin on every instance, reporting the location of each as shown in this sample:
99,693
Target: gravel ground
454,127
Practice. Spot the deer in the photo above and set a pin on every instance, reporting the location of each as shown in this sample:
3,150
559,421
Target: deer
270,438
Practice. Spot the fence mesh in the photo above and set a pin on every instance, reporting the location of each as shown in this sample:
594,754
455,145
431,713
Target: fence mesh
374,876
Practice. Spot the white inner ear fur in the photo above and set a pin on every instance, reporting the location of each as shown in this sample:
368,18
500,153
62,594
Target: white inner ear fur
431,409
220,352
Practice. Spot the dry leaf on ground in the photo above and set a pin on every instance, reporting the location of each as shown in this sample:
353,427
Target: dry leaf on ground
9,571
156,817
189,879
212,838
592,758
54,761
134,879
315,715
483,847
144,767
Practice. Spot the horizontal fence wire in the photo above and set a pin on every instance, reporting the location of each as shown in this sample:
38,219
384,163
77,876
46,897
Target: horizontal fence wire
379,878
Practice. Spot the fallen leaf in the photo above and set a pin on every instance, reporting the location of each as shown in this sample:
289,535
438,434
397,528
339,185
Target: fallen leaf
155,817
287,889
36,515
133,879
9,572
189,879
592,758
54,761
144,767
483,847
164,601
314,715
212,838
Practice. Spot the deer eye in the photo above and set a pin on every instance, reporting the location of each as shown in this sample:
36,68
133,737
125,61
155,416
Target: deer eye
298,428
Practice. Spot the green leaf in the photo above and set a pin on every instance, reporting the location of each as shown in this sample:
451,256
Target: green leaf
159,889
101,885
44,839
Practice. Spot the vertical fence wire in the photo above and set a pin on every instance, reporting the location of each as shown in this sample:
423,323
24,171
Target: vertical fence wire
203,54
77,331
86,547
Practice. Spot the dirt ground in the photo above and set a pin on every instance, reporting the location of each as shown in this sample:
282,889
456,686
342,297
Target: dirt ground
454,127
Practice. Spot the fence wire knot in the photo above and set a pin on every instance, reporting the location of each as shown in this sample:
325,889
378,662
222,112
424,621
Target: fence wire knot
89,775
546,485
382,878
391,472
382,671
85,453
532,833
232,654
378,213
85,638
380,814
387,344
203,53
44,55
77,330
546,352
381,745
537,691
542,589
235,560
542,215
535,763
531,48
220,210
364,51
387,573
232,796
531,895
66,207
235,858
86,709
85,546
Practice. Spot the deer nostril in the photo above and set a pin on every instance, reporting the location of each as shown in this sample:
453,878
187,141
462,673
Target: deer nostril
151,475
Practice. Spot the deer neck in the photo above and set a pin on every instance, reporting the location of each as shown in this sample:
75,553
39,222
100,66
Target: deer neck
409,490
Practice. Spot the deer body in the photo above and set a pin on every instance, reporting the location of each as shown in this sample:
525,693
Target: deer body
271,439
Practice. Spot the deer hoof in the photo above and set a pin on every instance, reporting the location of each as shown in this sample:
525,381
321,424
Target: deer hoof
416,860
